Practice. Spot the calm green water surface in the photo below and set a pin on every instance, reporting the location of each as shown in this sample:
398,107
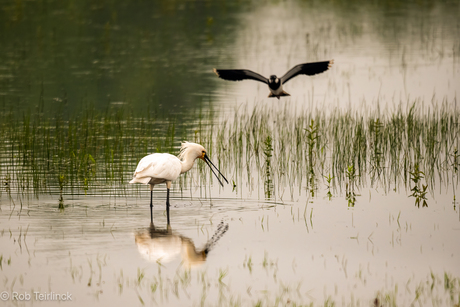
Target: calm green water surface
150,55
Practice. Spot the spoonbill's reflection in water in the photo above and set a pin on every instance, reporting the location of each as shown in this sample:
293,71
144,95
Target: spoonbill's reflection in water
164,245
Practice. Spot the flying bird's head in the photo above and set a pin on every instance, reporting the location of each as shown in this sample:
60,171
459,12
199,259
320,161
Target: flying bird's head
274,82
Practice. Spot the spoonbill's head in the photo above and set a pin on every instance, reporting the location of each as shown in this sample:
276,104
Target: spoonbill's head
192,151
198,151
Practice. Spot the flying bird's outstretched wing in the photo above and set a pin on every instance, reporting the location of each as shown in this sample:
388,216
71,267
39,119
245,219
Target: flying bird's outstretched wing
239,74
309,69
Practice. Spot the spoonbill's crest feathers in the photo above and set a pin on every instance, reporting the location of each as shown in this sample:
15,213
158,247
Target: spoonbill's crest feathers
189,146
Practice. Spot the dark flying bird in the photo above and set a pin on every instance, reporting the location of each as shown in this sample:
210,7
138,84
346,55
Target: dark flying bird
275,84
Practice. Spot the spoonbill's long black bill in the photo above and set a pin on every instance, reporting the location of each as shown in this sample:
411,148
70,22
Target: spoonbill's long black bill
210,164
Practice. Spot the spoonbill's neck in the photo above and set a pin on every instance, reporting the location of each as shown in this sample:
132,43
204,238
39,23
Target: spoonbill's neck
187,162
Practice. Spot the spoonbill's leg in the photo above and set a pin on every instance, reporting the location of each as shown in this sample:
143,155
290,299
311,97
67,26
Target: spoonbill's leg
168,186
151,204
167,205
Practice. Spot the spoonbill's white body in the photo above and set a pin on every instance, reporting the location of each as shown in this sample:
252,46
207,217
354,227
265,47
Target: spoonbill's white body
164,168
159,168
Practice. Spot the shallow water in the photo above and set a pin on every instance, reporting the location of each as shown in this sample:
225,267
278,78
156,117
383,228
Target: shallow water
140,77
304,252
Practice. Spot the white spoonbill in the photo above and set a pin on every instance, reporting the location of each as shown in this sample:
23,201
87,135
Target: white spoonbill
164,168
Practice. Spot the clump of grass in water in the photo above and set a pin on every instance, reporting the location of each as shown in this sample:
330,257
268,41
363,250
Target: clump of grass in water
328,186
376,148
350,185
419,193
312,136
455,163
268,153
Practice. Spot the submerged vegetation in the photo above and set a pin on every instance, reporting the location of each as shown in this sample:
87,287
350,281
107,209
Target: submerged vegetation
346,149
95,152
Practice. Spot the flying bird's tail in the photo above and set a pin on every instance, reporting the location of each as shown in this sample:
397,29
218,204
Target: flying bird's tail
283,93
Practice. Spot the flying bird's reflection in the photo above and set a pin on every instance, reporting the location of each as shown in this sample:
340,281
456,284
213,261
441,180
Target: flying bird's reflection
164,245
